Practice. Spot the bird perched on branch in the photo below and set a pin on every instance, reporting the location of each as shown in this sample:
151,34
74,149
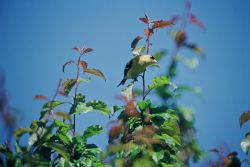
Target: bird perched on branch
136,66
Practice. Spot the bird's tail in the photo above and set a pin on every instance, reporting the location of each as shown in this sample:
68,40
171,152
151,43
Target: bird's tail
122,82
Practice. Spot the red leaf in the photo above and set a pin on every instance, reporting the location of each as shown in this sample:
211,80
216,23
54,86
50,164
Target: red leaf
195,21
40,97
148,32
84,64
135,42
161,23
215,150
76,49
174,19
244,118
67,63
115,132
86,50
180,37
144,19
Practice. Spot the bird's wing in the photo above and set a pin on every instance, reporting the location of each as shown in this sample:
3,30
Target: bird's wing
127,67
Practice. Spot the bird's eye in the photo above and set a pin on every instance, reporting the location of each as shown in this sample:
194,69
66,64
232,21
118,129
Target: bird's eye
152,57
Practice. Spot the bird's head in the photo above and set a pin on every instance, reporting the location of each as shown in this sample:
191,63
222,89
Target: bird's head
149,60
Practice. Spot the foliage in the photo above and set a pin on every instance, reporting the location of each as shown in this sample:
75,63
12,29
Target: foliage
245,143
144,133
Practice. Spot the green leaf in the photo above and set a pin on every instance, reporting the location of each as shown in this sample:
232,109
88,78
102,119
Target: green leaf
93,130
36,136
171,141
99,106
21,131
191,63
195,90
139,51
159,81
245,144
61,162
143,104
80,97
65,138
63,127
158,156
59,148
68,84
159,55
80,108
144,161
115,108
51,105
95,72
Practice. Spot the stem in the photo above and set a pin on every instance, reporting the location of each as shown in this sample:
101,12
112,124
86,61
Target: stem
76,90
143,75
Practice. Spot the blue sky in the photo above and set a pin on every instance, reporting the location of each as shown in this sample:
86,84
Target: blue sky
37,37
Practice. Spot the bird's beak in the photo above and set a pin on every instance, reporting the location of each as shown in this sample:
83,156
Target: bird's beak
155,64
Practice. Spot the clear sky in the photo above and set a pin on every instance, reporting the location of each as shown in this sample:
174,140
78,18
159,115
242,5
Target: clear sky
37,37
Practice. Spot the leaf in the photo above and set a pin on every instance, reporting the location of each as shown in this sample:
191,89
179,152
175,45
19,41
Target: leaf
175,18
51,105
37,136
68,84
148,32
143,104
139,51
83,64
65,138
99,106
76,49
245,144
195,48
59,148
159,81
159,55
127,93
67,63
115,108
93,130
95,72
86,50
79,108
63,115
161,23
191,63
195,90
180,37
83,50
21,131
63,127
144,19
40,97
135,42
195,21
244,118
80,97
114,132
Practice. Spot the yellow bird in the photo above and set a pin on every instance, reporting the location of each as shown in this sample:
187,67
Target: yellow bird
136,66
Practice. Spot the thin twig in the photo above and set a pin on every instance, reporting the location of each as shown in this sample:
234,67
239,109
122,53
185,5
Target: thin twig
76,91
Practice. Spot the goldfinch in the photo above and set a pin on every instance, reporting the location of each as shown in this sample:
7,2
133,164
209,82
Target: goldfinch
136,66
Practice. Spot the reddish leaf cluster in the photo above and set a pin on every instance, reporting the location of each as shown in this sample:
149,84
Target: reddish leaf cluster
40,97
83,50
152,25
